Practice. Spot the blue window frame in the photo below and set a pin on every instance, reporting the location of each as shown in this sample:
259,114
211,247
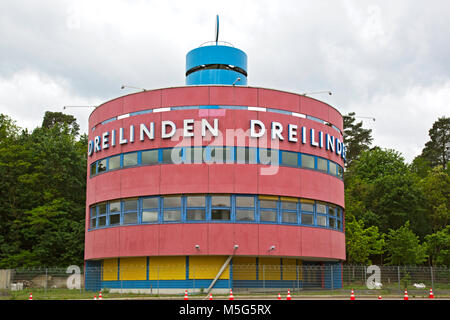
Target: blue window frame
220,207
195,208
246,155
130,211
114,211
216,154
172,207
289,210
150,209
268,209
307,212
245,208
232,208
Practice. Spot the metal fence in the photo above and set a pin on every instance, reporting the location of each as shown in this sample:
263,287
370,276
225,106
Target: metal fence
243,279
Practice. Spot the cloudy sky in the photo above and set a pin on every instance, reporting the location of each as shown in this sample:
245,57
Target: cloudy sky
384,59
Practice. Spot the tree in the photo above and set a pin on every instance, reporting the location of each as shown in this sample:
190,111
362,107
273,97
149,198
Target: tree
61,121
437,149
403,247
42,196
438,247
436,190
381,190
356,138
362,242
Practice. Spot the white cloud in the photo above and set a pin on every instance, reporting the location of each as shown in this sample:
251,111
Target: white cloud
385,59
26,95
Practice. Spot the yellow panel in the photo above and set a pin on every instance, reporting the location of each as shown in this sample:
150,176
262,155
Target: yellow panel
268,198
167,268
109,269
207,267
289,269
269,269
289,199
307,201
244,268
133,268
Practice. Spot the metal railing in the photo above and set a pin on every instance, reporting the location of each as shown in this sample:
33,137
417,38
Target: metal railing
146,281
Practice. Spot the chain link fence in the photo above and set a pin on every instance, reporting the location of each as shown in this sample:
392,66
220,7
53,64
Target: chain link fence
165,281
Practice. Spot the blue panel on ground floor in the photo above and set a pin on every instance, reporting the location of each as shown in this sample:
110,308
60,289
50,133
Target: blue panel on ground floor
93,275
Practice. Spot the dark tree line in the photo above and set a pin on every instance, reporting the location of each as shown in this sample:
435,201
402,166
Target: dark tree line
397,213
42,193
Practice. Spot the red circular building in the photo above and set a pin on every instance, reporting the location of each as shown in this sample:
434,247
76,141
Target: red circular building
214,185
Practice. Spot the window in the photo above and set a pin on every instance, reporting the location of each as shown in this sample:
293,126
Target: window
333,168
93,217
93,169
172,155
245,155
269,156
193,155
196,208
114,213
101,166
172,208
130,159
149,157
307,161
321,207
101,215
340,172
289,158
322,164
220,207
332,223
321,220
130,207
245,208
289,210
218,155
307,219
150,209
331,210
307,205
114,162
268,208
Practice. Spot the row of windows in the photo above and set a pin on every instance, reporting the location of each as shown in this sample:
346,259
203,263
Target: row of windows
217,207
213,154
290,113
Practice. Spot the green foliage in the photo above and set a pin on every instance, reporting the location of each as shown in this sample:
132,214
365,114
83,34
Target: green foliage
438,247
362,242
42,195
436,189
436,150
357,139
403,247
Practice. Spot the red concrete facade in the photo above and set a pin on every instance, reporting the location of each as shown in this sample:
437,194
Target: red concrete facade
214,238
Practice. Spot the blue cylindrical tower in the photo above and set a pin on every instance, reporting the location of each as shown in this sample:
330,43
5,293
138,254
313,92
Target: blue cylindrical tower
216,64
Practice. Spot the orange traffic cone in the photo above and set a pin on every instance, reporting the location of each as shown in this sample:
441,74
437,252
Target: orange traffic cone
406,295
379,297
210,296
231,295
100,297
95,297
185,295
30,297
279,296
288,295
431,296
352,296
